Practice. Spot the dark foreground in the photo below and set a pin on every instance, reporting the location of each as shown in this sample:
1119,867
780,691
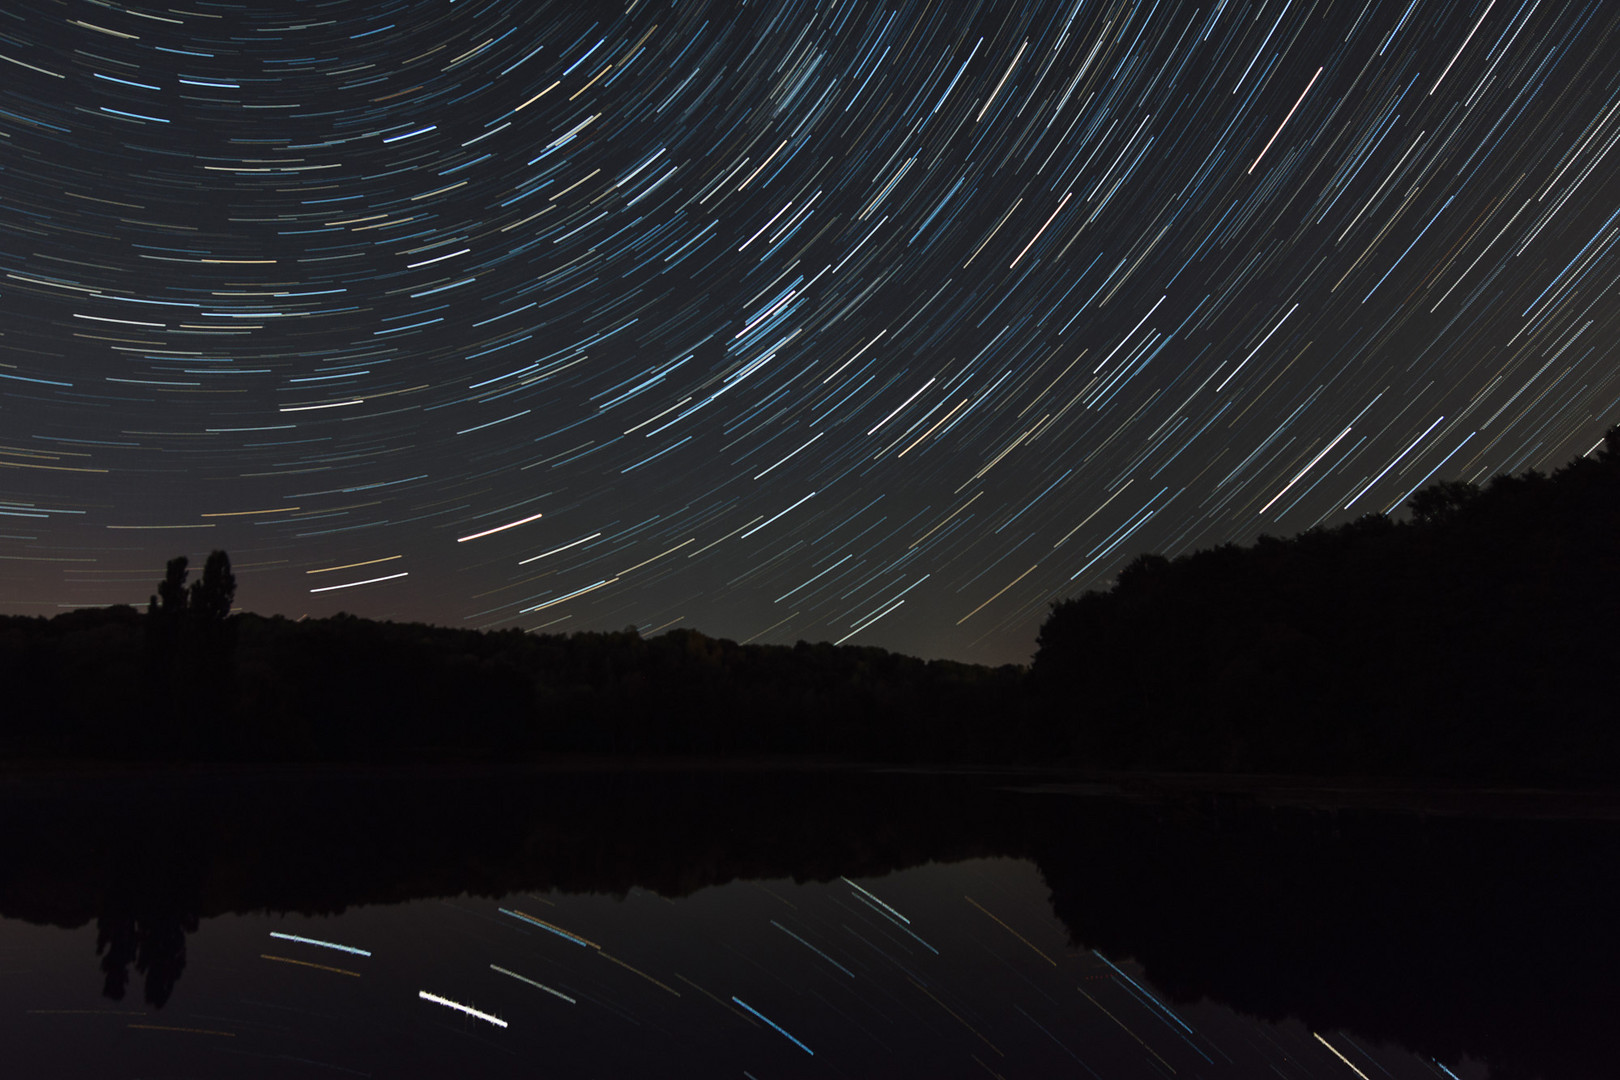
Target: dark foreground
1455,921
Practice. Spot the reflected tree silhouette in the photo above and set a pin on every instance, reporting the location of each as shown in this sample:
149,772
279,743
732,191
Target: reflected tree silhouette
154,943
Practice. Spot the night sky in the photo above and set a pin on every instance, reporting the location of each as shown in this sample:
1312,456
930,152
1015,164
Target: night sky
887,322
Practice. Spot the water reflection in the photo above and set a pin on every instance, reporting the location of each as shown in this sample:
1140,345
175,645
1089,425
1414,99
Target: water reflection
941,970
795,924
155,943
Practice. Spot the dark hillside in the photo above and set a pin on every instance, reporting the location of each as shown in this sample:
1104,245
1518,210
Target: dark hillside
1477,639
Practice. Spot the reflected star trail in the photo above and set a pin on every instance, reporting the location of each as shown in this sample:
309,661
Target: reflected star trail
859,1001
885,323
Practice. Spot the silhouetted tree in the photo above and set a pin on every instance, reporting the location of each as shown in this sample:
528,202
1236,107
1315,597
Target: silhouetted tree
213,647
189,645
170,598
1611,445
1443,501
165,616
211,598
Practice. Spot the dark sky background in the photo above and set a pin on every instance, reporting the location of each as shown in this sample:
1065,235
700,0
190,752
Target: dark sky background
886,322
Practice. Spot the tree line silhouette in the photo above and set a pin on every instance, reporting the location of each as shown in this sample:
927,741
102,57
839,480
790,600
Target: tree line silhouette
1474,639
212,685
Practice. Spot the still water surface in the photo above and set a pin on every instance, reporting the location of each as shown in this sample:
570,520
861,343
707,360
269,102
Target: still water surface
723,925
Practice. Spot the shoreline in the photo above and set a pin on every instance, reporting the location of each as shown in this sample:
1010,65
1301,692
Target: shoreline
1439,797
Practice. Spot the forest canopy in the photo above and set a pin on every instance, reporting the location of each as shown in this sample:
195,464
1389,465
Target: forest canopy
1476,638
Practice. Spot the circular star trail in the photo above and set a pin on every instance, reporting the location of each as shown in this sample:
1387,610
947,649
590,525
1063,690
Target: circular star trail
886,323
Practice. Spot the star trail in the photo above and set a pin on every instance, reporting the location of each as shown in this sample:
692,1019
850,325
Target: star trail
886,323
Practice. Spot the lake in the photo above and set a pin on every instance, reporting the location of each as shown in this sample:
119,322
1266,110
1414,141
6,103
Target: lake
681,920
